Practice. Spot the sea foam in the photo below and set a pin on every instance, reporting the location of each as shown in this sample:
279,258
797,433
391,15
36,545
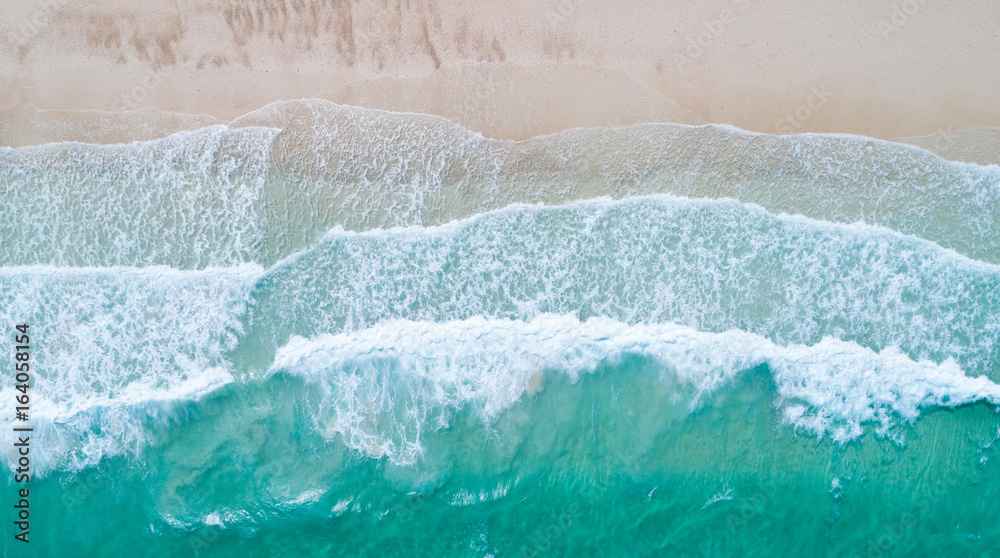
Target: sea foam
188,201
274,181
385,388
110,344
711,265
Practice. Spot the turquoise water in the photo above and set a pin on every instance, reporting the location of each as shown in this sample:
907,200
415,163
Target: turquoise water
318,335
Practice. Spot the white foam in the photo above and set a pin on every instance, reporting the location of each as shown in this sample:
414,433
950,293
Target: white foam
189,200
724,496
374,169
109,347
711,265
385,387
598,205
333,165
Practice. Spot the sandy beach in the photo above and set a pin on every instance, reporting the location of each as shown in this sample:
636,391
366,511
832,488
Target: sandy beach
513,70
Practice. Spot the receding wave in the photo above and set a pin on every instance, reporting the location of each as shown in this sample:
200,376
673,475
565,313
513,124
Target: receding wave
187,201
227,195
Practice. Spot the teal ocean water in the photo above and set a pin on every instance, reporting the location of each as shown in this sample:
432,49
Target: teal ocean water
326,331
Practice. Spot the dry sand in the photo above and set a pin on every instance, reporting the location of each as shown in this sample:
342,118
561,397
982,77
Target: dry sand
884,69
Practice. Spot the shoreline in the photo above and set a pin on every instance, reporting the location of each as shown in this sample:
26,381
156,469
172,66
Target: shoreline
741,62
32,127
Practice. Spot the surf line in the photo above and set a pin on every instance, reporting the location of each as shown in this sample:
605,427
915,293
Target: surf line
22,368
